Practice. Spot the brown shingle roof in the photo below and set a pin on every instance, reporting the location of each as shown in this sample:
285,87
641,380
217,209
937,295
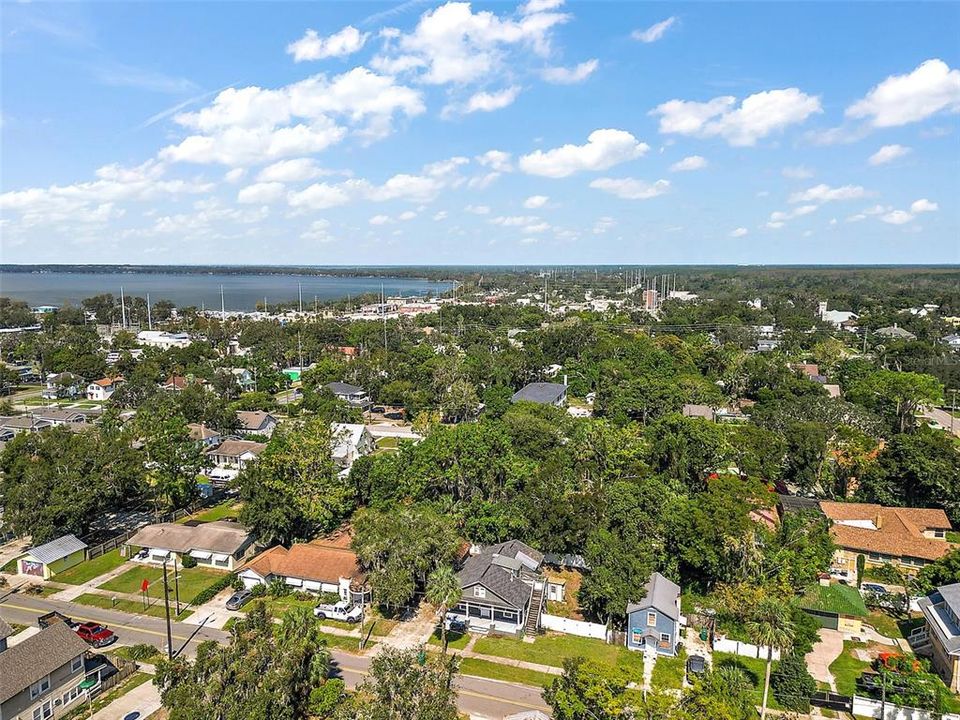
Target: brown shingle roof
36,657
898,531
253,419
236,448
308,562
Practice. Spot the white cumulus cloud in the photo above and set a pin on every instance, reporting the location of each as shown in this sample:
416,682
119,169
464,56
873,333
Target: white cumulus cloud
570,76
739,232
296,170
901,99
261,193
313,47
631,188
897,217
758,116
692,162
923,205
888,153
535,201
604,149
824,193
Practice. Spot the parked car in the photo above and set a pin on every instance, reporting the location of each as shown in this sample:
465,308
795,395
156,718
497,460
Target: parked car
455,624
96,635
239,599
874,588
696,665
341,611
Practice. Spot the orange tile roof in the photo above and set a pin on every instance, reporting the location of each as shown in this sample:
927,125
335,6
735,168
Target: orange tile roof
899,531
308,562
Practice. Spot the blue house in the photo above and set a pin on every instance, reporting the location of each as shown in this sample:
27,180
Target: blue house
654,622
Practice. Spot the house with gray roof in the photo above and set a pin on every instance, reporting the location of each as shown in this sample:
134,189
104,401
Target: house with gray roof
41,676
895,333
352,395
5,632
256,422
542,393
653,623
503,589
45,561
941,614
219,544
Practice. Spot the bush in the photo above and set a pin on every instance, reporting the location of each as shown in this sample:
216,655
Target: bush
258,591
326,698
792,684
141,651
278,588
207,594
329,598
188,562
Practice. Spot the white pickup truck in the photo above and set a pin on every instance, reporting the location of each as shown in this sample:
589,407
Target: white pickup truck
341,611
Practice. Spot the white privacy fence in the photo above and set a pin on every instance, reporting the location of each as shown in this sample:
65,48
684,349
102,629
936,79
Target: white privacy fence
871,709
573,627
743,649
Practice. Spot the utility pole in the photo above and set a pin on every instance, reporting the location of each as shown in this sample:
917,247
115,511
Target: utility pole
300,296
176,584
123,310
383,312
166,607
149,314
223,310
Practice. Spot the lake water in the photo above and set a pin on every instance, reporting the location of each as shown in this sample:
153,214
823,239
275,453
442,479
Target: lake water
240,291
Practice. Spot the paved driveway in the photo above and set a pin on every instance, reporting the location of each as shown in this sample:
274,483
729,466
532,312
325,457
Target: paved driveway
827,649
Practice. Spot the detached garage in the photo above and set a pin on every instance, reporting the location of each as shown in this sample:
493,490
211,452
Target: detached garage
835,606
45,561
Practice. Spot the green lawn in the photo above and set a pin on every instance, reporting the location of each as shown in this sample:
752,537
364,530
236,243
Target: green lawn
11,567
132,606
192,581
847,668
669,671
753,668
227,510
455,640
554,649
89,569
350,644
495,671
893,627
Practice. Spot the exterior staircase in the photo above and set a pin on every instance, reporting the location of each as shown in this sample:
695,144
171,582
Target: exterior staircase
536,607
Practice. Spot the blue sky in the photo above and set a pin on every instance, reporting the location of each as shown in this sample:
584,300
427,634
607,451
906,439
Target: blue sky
428,133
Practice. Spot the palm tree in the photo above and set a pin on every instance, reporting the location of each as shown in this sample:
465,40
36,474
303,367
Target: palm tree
443,590
770,625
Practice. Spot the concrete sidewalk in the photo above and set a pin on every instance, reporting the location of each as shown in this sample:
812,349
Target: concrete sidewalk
144,699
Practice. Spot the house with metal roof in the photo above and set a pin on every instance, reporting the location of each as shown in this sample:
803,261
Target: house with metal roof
542,393
220,544
42,676
45,561
503,590
653,623
941,614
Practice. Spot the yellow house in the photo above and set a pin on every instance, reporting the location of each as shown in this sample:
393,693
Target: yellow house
45,561
908,538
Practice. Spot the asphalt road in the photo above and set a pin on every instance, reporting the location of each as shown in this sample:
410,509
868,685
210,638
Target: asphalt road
476,696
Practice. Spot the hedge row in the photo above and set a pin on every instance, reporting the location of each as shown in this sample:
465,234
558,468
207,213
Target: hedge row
230,580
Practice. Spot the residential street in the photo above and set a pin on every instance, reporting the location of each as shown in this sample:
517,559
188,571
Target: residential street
477,696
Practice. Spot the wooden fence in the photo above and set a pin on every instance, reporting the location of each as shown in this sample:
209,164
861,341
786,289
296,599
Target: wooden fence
95,551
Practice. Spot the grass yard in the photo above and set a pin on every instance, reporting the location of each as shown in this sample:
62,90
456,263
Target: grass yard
350,644
508,673
192,581
554,649
455,640
227,510
669,671
90,569
753,668
847,668
132,606
11,567
893,627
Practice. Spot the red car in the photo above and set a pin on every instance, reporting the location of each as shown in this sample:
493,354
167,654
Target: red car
96,635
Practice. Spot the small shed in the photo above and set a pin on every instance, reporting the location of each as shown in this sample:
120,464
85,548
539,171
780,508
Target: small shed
47,560
834,606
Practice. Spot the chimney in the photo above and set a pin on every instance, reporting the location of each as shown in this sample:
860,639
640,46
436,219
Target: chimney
564,378
879,520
